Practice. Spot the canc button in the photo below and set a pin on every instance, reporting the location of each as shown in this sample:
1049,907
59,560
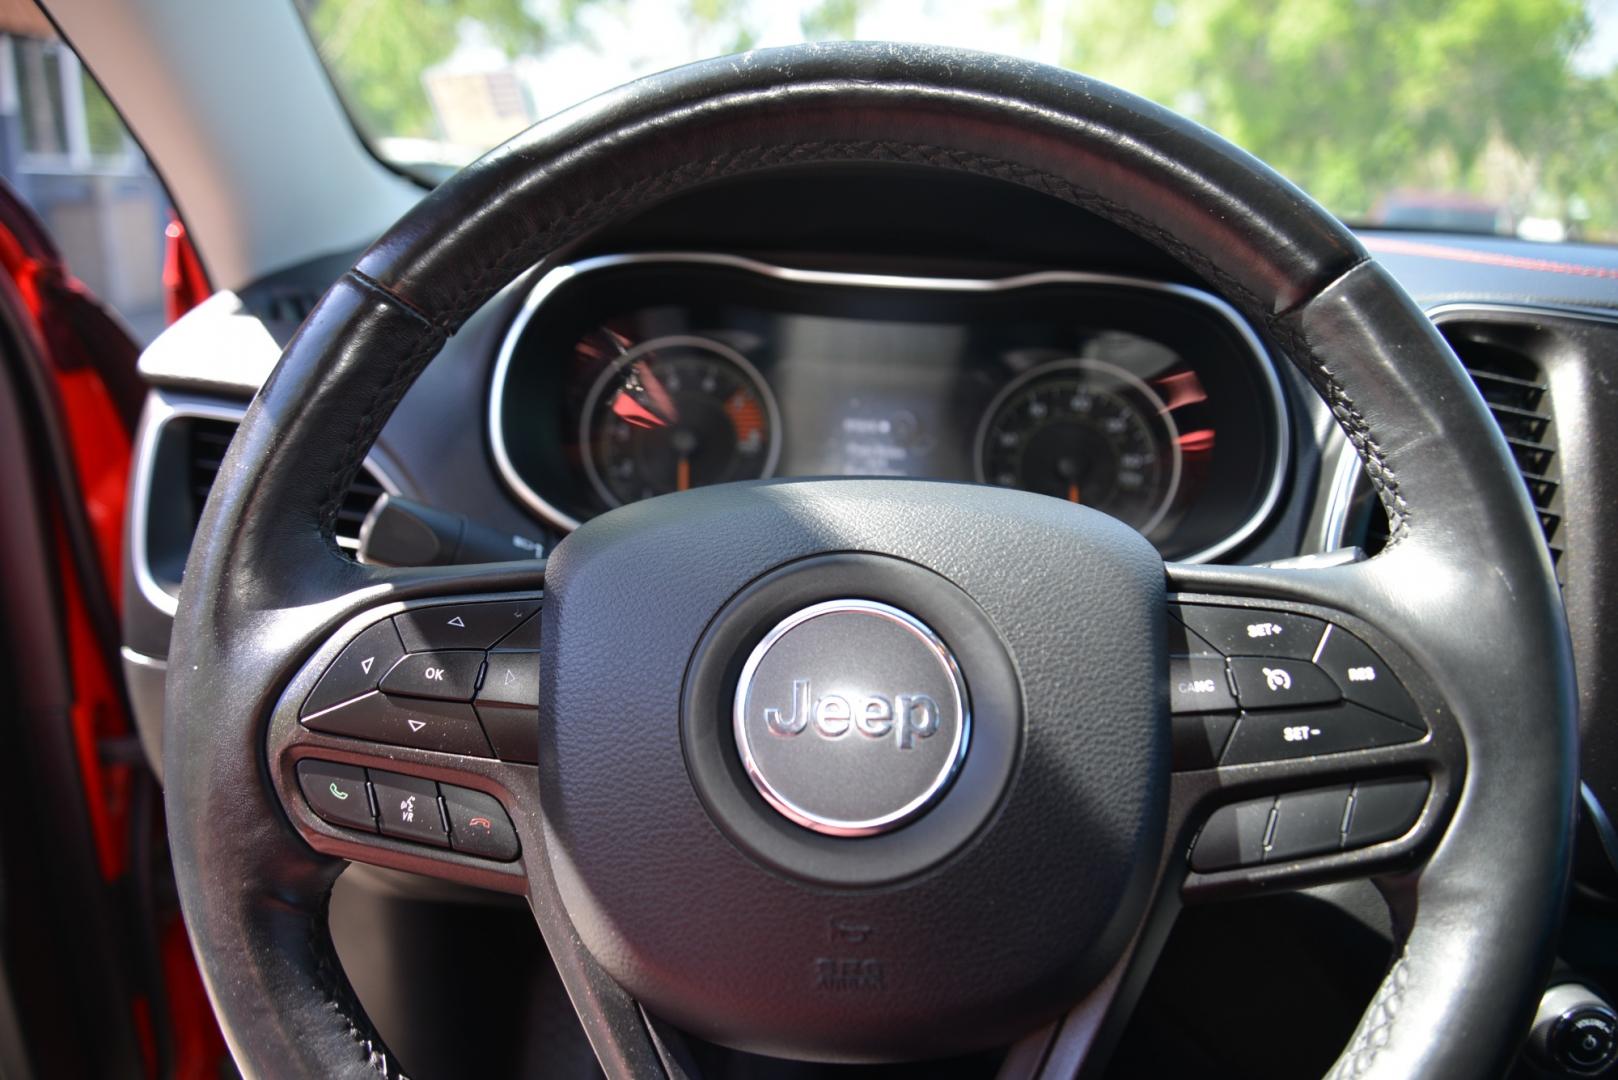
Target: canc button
1198,684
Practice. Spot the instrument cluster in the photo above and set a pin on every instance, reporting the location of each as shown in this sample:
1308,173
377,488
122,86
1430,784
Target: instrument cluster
627,377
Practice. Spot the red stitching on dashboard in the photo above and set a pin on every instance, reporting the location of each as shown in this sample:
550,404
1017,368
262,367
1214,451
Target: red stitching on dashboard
1487,258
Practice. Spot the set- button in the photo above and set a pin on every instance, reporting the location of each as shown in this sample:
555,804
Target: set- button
1252,685
411,808
453,678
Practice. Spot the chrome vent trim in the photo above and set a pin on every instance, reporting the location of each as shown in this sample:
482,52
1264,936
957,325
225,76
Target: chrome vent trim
164,408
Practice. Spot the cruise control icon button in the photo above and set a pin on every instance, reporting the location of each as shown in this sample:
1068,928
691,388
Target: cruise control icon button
1268,683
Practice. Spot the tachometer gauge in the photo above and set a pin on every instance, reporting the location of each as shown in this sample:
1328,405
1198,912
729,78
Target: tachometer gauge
674,413
1086,431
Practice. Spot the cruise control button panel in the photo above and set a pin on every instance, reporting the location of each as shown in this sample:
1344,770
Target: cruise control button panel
1251,685
412,680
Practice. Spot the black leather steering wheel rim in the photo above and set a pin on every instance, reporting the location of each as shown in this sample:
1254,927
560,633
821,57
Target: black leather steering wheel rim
1465,585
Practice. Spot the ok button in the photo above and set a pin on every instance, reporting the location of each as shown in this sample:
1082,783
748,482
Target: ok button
448,675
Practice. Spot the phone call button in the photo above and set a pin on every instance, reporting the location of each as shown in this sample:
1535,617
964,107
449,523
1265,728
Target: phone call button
337,793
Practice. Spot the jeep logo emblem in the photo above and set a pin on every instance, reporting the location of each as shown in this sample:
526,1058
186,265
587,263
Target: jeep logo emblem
909,716
851,717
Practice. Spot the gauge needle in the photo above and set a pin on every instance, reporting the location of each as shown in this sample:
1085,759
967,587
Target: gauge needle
682,474
1072,492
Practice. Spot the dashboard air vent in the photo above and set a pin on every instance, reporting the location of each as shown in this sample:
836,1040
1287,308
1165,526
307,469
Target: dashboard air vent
1514,386
208,439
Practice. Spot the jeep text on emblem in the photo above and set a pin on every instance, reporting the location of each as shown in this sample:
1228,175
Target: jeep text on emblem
851,717
914,717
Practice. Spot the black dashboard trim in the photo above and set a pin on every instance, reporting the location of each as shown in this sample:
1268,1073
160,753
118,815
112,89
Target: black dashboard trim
554,279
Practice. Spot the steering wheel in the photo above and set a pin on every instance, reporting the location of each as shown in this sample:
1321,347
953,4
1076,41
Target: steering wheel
871,770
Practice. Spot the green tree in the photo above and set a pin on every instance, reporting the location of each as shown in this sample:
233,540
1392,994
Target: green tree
380,48
1351,98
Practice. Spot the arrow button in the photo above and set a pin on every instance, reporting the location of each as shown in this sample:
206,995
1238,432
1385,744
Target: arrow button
357,668
450,727
512,679
462,626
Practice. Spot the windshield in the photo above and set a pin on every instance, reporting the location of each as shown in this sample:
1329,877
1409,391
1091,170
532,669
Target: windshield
1486,116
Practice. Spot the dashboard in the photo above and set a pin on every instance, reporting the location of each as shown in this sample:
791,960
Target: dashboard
624,377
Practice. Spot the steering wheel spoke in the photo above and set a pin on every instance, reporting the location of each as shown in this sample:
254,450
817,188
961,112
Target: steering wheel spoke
1309,744
408,735
408,739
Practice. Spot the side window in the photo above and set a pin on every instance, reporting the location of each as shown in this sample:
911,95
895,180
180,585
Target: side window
64,150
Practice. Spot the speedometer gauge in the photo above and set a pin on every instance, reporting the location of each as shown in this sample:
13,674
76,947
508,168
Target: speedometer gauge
1086,431
674,413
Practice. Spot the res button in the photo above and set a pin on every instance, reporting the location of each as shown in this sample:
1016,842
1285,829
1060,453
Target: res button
1363,677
